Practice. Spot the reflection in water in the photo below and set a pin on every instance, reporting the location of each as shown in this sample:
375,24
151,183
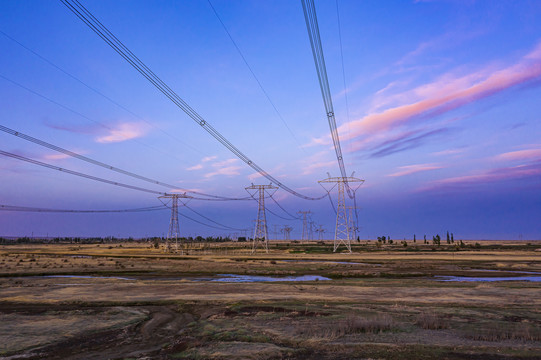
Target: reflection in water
250,278
490,279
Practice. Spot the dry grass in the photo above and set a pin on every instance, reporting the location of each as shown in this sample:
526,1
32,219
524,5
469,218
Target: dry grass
518,332
349,325
431,321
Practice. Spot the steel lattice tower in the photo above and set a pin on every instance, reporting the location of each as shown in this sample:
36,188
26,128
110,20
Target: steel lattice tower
287,231
352,226
261,234
305,231
174,228
341,233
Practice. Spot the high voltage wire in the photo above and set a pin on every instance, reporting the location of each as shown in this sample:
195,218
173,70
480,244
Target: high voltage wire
97,91
34,209
106,166
319,60
95,25
224,227
79,114
76,173
255,77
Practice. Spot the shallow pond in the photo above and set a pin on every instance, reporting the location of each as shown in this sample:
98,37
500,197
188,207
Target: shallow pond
489,279
252,278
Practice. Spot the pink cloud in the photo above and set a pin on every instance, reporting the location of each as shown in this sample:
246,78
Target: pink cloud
412,169
123,132
447,93
530,154
490,176
225,167
195,167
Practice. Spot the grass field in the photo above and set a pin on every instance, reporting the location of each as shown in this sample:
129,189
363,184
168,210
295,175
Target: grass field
132,301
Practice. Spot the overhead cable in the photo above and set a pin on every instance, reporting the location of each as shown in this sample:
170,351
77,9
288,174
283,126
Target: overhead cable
76,173
255,77
97,91
106,166
319,60
34,209
84,15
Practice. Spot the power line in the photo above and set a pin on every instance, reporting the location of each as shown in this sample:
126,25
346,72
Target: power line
321,69
106,166
34,209
84,15
293,217
76,173
343,67
79,114
255,77
97,91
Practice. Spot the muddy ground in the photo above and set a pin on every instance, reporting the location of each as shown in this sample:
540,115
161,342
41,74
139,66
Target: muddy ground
130,301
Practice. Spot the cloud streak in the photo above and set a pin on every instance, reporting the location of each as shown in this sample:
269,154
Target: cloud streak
512,173
123,132
448,93
412,169
226,167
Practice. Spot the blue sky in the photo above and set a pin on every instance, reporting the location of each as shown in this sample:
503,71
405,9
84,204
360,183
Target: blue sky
442,117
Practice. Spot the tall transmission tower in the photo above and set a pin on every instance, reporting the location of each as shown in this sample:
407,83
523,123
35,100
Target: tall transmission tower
341,233
320,232
352,226
287,231
305,230
174,228
261,235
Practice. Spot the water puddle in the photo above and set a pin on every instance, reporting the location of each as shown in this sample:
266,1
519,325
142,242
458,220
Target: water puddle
250,278
489,279
507,271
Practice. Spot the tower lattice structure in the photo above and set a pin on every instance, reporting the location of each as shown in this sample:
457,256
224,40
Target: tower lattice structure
261,235
342,235
352,226
174,229
305,230
287,231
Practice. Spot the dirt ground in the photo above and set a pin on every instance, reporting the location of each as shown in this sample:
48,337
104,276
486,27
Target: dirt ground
131,301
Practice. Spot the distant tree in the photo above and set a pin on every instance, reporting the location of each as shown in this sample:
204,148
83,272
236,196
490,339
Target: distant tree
452,238
448,238
425,240
414,238
436,240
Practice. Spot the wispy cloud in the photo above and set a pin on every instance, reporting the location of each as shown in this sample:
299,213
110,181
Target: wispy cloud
412,169
226,167
123,131
316,162
528,154
209,158
195,167
448,93
524,172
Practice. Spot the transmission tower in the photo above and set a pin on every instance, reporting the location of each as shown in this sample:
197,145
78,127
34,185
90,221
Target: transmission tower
287,231
261,234
174,230
320,232
305,230
352,226
341,233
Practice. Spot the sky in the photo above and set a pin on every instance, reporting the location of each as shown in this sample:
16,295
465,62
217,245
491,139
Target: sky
437,105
